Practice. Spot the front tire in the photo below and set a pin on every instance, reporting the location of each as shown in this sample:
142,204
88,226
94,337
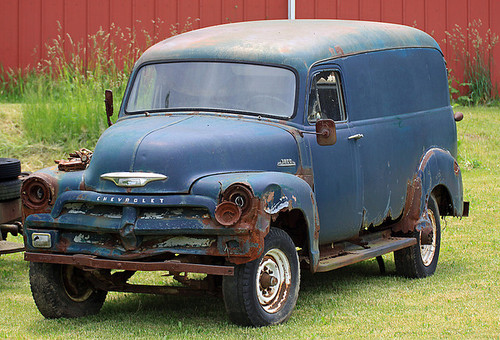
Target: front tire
63,291
420,260
264,292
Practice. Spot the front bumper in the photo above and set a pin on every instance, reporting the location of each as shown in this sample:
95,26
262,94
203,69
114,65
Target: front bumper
89,261
129,227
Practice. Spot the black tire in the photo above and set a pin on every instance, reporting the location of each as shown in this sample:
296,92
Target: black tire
62,291
9,168
249,303
10,189
419,260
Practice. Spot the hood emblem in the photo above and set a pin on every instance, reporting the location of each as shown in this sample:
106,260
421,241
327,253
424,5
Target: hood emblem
286,162
132,179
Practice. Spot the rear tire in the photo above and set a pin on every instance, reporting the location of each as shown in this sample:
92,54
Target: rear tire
421,260
63,291
264,292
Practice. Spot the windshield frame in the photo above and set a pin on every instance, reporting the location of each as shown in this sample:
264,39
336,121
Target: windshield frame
136,71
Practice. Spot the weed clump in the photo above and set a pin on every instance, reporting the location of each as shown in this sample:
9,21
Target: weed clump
474,51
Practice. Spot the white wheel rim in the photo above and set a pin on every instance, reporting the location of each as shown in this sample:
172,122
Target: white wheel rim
273,280
427,251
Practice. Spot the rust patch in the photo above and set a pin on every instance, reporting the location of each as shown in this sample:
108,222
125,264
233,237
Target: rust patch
254,224
411,212
307,175
316,218
336,51
339,50
331,250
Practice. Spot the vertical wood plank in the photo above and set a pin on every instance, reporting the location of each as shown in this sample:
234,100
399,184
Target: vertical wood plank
304,9
277,9
143,13
435,13
52,19
121,13
29,32
479,13
370,10
120,18
98,16
392,11
166,10
75,28
254,10
348,9
9,38
457,14
326,9
210,12
189,14
232,10
414,13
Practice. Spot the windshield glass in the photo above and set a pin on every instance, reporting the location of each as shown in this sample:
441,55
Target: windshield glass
213,86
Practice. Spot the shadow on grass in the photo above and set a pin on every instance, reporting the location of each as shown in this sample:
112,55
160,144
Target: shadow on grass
142,314
191,312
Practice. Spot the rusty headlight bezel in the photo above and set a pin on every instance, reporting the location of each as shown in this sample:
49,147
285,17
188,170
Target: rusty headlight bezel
240,195
37,192
236,201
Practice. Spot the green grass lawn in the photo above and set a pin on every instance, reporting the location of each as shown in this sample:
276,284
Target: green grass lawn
461,300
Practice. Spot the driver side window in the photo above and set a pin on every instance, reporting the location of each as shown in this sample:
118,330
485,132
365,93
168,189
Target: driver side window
325,97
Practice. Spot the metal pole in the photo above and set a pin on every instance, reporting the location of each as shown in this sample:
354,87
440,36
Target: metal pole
291,9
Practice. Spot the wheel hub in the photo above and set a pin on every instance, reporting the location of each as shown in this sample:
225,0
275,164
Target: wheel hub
273,280
267,281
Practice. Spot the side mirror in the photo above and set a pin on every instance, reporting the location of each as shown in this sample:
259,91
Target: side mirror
326,133
108,101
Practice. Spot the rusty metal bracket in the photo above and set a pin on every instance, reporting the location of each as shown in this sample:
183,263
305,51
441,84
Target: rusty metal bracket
94,262
78,160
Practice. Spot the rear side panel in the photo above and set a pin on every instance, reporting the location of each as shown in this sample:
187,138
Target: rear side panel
398,100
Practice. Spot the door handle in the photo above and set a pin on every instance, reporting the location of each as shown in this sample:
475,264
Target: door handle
356,136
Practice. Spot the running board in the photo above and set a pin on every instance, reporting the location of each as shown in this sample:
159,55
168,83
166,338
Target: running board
375,247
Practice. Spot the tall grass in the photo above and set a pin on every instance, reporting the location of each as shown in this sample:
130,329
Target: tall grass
64,94
475,52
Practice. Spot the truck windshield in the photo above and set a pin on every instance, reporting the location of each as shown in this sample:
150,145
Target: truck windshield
213,86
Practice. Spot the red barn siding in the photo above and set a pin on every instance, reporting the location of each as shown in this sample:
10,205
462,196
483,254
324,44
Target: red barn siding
27,25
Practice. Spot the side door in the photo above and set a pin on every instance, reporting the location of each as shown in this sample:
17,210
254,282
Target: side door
337,183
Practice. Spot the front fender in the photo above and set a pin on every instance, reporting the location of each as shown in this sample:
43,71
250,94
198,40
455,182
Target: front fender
277,192
437,168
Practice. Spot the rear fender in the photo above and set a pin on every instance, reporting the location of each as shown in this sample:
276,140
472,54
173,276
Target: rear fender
437,167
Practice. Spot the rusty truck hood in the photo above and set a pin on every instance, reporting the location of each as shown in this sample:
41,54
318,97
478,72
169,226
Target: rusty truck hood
187,147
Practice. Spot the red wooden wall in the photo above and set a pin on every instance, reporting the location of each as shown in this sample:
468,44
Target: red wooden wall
26,25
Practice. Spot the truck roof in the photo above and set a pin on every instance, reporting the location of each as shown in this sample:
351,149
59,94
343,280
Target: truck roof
296,43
